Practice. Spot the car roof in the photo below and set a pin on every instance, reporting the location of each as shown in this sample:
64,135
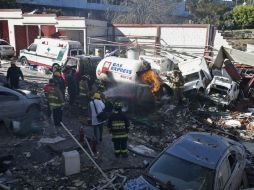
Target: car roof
205,149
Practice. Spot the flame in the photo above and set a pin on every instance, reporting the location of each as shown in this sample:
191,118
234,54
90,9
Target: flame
151,77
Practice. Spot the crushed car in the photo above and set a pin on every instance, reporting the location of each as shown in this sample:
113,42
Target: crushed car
197,160
223,91
17,103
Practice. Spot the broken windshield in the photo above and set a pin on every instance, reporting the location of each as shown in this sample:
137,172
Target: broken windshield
191,77
181,174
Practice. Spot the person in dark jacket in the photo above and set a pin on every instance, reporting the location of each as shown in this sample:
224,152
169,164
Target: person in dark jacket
118,125
59,81
56,102
72,86
13,74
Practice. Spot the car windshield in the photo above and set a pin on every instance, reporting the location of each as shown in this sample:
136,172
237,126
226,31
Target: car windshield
191,77
3,43
181,174
71,63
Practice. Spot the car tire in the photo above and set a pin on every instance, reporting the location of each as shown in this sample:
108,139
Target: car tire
23,61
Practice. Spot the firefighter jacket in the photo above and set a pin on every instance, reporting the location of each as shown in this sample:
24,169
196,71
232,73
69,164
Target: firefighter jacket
177,80
83,88
55,98
118,125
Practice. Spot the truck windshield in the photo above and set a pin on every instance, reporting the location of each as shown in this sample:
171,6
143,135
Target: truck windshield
191,77
181,174
3,42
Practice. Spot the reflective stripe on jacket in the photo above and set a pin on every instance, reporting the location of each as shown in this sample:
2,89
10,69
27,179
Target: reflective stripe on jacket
55,98
83,88
118,125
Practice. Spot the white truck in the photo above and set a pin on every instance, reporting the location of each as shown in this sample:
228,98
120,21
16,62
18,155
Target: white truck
48,51
196,75
222,90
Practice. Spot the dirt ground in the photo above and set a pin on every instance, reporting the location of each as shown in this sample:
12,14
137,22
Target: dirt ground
35,165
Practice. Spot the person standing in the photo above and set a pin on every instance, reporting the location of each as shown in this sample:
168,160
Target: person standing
118,125
56,102
177,81
96,106
83,92
72,86
59,81
13,74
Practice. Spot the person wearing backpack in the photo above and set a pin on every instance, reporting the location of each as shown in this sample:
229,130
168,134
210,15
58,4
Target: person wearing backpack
97,107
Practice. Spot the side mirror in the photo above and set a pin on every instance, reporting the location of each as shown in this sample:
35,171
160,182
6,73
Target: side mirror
27,49
145,163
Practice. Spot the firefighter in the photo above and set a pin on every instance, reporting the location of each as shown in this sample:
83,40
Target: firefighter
83,92
56,102
118,125
58,79
177,83
14,73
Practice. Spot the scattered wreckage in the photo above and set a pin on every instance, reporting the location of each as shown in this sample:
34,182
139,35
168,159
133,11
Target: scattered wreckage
197,160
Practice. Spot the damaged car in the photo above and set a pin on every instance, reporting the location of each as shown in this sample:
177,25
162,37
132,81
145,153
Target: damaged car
17,103
223,91
197,160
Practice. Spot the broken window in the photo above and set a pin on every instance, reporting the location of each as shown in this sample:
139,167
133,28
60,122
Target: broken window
191,77
32,47
181,173
223,174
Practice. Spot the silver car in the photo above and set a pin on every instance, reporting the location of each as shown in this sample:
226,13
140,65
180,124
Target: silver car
6,50
17,103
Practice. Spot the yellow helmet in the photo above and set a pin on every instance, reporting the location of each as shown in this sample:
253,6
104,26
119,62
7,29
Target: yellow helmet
96,96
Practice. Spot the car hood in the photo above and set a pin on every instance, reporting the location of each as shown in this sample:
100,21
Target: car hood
29,94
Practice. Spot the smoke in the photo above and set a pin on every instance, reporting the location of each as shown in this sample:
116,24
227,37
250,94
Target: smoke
121,91
136,92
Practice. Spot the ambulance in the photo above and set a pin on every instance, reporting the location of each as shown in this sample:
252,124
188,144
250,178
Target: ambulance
48,52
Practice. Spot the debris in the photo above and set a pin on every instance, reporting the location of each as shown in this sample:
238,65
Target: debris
233,123
71,162
51,140
138,184
142,150
64,145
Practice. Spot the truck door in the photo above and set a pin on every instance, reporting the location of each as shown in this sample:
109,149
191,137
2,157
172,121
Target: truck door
32,54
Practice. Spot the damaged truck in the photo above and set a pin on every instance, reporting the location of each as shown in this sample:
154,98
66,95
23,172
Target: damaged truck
235,78
148,77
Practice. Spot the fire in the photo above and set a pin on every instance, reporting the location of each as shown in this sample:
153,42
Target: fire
150,77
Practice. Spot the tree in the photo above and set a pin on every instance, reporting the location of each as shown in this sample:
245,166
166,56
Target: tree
243,16
143,12
207,12
8,4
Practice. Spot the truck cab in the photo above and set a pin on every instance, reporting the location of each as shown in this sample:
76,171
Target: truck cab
196,75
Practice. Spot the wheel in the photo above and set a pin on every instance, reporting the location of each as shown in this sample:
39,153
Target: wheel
23,61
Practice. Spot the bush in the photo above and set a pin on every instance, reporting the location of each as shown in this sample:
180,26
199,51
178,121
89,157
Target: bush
243,16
